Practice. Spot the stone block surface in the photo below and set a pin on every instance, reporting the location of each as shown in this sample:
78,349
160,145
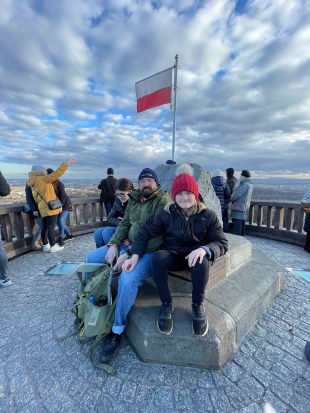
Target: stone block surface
181,347
233,306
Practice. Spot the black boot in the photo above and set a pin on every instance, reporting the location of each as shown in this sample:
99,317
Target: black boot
110,347
200,321
164,321
61,241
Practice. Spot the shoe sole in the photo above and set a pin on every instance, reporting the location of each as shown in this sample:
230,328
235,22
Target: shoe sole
163,332
6,284
201,335
56,250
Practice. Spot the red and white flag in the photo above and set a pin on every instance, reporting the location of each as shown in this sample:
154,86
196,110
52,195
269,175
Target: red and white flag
154,90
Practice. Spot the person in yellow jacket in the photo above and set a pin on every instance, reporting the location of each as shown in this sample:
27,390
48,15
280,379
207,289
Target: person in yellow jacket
43,192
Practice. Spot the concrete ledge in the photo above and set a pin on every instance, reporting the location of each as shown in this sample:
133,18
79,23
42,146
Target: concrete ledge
181,347
249,291
233,306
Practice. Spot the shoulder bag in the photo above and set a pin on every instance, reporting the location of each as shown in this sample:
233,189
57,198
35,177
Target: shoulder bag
54,204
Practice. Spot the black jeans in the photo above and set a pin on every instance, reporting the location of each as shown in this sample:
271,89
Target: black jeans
48,230
164,261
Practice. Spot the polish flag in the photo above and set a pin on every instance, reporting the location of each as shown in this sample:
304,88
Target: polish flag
154,90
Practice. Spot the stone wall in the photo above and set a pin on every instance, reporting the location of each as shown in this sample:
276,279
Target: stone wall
167,173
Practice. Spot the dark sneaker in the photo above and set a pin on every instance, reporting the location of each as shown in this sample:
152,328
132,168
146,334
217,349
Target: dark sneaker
200,321
68,237
164,321
307,351
6,282
61,241
110,347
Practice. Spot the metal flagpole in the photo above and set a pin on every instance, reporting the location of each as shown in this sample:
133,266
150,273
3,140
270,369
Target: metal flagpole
175,104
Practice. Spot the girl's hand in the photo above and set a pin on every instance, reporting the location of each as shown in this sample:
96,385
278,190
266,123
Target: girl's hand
194,256
70,160
130,264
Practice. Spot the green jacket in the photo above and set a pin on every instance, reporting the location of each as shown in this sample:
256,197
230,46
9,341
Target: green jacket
137,213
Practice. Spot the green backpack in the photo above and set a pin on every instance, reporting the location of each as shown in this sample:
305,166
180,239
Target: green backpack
95,322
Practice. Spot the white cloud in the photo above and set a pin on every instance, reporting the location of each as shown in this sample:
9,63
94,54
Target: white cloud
68,69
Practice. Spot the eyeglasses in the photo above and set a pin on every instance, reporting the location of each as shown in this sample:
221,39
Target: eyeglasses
120,194
146,181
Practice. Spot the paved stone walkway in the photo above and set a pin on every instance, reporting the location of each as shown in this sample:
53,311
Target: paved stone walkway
38,374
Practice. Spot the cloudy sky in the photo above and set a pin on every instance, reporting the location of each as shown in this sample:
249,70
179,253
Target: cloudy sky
67,85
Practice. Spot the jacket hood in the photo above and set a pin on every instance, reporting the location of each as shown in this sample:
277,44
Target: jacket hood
248,180
33,176
200,207
230,172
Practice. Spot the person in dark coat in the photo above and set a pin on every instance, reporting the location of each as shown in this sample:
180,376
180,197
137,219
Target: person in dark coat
220,187
242,194
107,187
123,188
62,195
4,270
307,230
193,237
232,183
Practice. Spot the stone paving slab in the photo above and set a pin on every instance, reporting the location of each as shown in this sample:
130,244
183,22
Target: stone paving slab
39,375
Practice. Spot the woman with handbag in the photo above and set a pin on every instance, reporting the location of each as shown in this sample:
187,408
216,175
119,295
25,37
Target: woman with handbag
63,197
49,206
240,202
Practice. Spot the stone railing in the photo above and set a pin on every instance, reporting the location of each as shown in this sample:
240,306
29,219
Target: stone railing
277,220
281,221
17,227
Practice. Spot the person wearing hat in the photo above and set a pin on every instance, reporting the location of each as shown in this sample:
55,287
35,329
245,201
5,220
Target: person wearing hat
63,197
43,192
145,202
193,236
242,195
107,187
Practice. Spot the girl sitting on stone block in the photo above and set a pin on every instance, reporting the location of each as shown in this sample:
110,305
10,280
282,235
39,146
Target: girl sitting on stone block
193,237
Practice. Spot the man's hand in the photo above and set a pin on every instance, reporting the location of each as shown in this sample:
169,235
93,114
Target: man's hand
126,242
120,261
112,254
195,255
130,264
36,213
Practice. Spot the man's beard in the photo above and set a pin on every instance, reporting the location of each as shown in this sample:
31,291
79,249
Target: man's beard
147,191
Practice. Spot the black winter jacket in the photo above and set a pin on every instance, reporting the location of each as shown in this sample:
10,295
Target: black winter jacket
107,187
30,200
63,196
221,189
232,183
200,229
118,211
4,186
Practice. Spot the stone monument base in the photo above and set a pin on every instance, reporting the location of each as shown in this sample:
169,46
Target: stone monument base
233,304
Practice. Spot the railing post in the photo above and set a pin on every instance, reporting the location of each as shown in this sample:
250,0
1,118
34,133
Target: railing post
251,214
85,213
260,215
6,227
279,217
77,214
93,212
289,219
301,220
19,225
269,216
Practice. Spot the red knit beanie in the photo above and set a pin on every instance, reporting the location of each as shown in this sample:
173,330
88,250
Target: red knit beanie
184,181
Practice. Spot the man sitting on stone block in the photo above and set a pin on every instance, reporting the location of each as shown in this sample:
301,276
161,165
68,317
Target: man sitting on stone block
193,236
144,203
